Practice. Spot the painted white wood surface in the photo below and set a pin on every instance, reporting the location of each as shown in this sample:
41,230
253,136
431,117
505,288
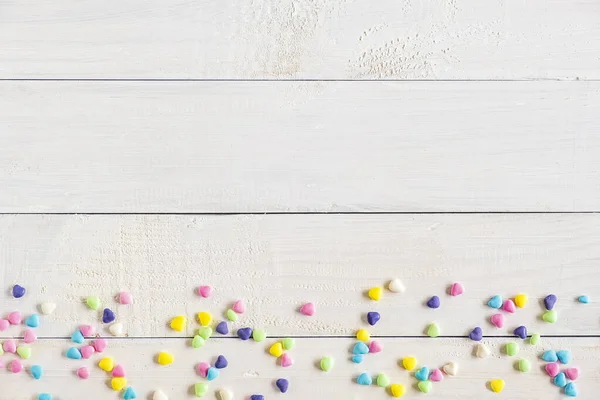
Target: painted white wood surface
314,39
252,370
277,262
292,147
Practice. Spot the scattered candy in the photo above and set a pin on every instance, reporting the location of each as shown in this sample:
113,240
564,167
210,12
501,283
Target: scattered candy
550,356
524,365
357,358
204,291
125,298
495,302
108,316
44,396
74,353
257,397
375,347
360,348
422,374
224,394
200,389
204,318
33,321
206,332
4,324
223,328
583,299
106,364
521,300
83,372
436,375
409,363
93,302
560,380
16,366
99,345
165,358
509,306
497,385
572,373
373,317
396,286
327,363
221,362
375,293
534,339
212,374
14,318
276,349
47,308
178,323
87,351
382,380
231,315
159,395
564,356
433,302
521,332
511,349
282,384
456,289
552,369
129,394
364,379
397,390
550,316
87,330
451,368
363,335
425,386
118,384
198,341
239,307
118,371
203,368
288,343
116,329
433,330
77,337
476,334
482,351
259,335
497,320
244,333
10,346
29,336
550,301
571,389
307,309
36,371
24,352
18,291
286,360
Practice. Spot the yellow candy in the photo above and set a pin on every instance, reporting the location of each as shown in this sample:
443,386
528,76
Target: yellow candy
276,350
397,389
178,323
204,318
106,364
118,383
363,335
164,358
409,363
521,300
375,293
497,385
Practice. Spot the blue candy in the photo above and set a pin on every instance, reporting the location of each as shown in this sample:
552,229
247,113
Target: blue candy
108,316
18,291
221,362
74,353
422,374
364,379
583,300
33,321
373,317
222,328
564,356
571,389
360,348
560,380
358,358
244,333
495,302
77,337
212,373
36,371
44,396
550,356
129,394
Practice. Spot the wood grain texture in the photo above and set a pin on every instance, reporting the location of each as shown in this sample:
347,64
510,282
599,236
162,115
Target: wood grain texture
114,147
306,39
277,262
252,370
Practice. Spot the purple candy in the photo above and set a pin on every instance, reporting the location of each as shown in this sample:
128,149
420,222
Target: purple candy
244,333
373,317
433,302
476,334
222,328
282,384
18,291
257,397
221,362
108,316
550,301
521,332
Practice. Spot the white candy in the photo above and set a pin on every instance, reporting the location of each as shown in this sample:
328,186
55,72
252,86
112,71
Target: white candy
158,395
482,351
47,308
396,286
451,368
225,394
116,329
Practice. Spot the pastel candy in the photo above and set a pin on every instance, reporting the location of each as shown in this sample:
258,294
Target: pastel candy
223,328
521,300
288,343
16,366
476,334
409,363
509,306
373,317
482,351
204,291
572,373
99,344
276,350
33,321
118,371
307,309
36,371
521,332
357,358
18,291
224,394
87,351
433,330
244,333
436,375
560,380
396,286
375,293
74,353
118,384
451,368
364,379
425,386
129,394
282,384
363,335
239,307
257,397
178,323
198,341
125,298
497,385
24,352
77,337
564,356
106,364
524,365
375,347
202,368
160,395
534,339
550,316
382,380
571,390
326,363
87,330
456,289
552,369
550,301
583,299
204,318
47,308
4,324
422,374
29,336
93,302
498,320
397,390
512,349
116,329
206,332
200,389
286,360
15,318
10,346
549,356
221,362
108,316
231,315
83,372
360,348
165,358
433,302
212,374
44,396
495,302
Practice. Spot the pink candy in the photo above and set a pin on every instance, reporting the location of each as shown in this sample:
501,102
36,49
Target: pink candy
239,307
203,368
125,298
204,291
29,336
308,309
16,366
498,320
99,345
456,289
286,360
552,369
436,375
87,351
375,347
10,346
572,373
509,306
83,373
87,330
4,324
118,371
14,318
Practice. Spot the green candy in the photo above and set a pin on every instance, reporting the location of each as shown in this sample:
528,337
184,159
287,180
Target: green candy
24,352
231,315
433,331
524,365
326,363
288,343
512,349
550,316
198,341
259,335
205,332
200,389
383,381
93,302
534,339
424,386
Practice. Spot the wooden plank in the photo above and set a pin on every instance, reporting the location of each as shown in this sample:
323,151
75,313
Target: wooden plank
277,262
316,39
252,370
295,147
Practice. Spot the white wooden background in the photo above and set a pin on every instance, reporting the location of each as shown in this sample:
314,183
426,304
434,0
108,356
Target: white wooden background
301,150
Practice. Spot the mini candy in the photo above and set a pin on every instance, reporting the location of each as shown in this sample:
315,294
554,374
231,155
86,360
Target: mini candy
564,356
198,341
327,363
286,360
409,363
212,374
476,334
521,332
572,373
550,316
10,346
259,335
83,372
29,336
560,380
397,390
93,302
497,320
24,352
159,395
125,298
425,386
433,330
288,343
87,330
106,364
178,323
224,394
364,379
552,369
73,353
497,385
33,321
36,371
206,332
436,375
282,384
375,293
509,306
276,349
363,335
16,366
4,324
495,302
433,302
375,347
204,318
99,345
307,309
239,307
396,286
357,358
116,329
373,317
118,383
534,339
108,316
165,358
221,362
244,333
571,390
521,300
18,291
14,318
87,351
223,328
257,397
550,301
204,291
456,289
451,368
231,315
77,337
44,396
47,308
524,365
360,348
129,394
482,351
203,368
422,374
512,349
583,299
200,389
550,356
382,380
118,371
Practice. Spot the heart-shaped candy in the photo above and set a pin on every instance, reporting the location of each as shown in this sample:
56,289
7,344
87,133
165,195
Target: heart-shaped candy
456,289
239,307
396,286
87,330
552,369
116,329
521,332
382,380
498,320
571,390
482,351
451,368
202,368
204,291
224,394
99,345
10,346
572,373
375,347
375,293
364,379
550,316
425,386
436,375
560,380
106,364
549,356
521,300
47,308
495,302
476,334
422,374
87,351
509,306
564,356
4,324
129,394
29,336
24,352
433,330
288,343
276,350
307,309
357,358
550,301
125,298
397,390
433,302
159,395
497,385
360,348
409,363
118,371
286,360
